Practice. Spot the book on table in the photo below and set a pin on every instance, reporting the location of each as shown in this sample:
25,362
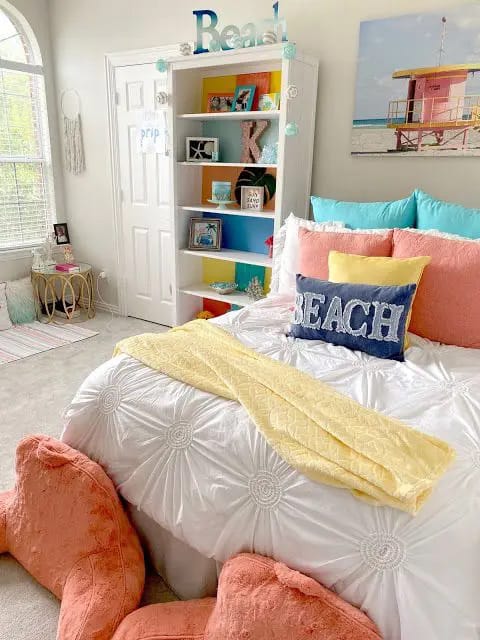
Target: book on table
67,267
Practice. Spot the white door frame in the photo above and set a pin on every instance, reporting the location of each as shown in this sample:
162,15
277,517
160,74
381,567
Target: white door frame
112,61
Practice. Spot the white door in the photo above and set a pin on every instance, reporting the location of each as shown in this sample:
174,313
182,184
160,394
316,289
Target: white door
146,225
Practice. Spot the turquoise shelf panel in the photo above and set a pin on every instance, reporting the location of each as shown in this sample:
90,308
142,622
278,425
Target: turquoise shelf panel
245,272
244,234
230,137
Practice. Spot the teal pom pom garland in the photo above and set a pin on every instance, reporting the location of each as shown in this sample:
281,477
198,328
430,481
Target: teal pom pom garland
289,51
161,66
291,129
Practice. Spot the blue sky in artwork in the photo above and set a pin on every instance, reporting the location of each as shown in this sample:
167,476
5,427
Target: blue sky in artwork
407,42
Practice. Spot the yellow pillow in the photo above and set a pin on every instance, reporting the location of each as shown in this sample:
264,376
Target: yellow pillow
346,267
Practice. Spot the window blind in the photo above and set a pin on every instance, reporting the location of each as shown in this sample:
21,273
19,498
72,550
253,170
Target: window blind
26,184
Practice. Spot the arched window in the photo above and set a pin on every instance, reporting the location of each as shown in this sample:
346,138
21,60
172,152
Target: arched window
27,208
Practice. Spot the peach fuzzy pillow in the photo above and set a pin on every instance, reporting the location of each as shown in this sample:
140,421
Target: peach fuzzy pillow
447,304
65,524
258,599
315,247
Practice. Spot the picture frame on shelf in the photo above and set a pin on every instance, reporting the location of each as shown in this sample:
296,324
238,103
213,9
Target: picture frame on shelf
219,102
243,99
252,198
205,234
61,233
269,102
200,149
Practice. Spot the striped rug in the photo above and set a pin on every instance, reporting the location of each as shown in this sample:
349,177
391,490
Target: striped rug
24,340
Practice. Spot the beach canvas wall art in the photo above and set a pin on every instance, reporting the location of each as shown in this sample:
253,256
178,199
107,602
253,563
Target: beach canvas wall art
418,85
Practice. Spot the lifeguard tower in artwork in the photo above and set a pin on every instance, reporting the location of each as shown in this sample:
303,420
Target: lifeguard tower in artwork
437,112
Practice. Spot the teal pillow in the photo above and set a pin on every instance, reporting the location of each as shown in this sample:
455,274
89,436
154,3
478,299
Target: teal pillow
20,302
399,214
446,217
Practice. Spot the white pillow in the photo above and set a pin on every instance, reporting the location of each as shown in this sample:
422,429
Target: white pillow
285,251
5,322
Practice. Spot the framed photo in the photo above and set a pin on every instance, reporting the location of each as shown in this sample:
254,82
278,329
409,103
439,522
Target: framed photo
202,149
61,233
243,98
269,102
252,198
205,234
219,102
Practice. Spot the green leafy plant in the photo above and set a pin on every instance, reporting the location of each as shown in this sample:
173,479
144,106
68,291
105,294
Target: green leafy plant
256,177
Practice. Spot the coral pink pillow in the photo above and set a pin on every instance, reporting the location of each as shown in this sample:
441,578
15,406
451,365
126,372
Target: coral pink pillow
316,245
65,524
260,599
447,304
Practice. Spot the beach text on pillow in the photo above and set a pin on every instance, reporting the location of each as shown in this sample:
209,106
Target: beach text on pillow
362,317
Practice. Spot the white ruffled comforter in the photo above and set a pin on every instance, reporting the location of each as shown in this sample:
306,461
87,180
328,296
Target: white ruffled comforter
196,464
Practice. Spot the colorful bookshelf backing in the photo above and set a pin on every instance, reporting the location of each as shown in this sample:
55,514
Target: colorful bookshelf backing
239,232
228,174
245,272
228,84
244,234
230,135
227,271
216,307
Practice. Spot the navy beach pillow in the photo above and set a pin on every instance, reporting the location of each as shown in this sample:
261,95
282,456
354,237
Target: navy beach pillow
362,317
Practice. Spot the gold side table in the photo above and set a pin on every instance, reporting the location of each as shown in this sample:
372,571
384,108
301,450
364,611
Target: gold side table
71,294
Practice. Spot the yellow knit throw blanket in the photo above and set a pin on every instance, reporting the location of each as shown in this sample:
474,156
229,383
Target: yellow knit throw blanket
321,433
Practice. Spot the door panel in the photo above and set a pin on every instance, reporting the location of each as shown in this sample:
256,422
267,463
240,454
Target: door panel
147,221
135,95
141,261
137,170
166,266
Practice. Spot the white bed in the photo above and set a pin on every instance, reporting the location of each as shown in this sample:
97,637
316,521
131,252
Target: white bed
196,465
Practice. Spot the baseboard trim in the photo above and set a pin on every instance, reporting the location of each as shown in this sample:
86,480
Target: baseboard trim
102,306
105,306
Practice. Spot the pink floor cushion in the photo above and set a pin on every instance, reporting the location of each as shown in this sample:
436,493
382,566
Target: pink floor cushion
65,524
258,599
172,620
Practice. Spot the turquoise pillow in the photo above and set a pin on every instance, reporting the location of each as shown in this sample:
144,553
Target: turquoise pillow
20,301
399,214
446,217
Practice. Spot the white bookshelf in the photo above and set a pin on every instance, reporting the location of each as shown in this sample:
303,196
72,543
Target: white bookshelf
202,290
227,164
293,167
231,255
232,115
224,211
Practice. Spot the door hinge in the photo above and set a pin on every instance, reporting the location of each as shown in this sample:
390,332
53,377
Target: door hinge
117,98
122,195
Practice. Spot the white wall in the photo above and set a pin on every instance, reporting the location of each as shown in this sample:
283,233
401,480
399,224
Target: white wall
84,30
37,15
329,29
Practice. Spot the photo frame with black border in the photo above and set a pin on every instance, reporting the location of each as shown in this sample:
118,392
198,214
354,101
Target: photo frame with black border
61,233
201,149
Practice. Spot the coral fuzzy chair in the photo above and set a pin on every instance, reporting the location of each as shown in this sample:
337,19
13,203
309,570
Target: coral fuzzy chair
258,599
65,524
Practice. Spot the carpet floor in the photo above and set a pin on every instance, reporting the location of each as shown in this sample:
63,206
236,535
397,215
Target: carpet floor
33,394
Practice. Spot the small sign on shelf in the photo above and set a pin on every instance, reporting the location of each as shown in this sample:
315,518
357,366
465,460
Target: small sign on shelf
252,198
